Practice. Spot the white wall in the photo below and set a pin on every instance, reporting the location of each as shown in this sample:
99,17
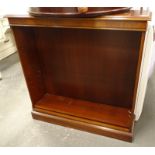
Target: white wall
13,10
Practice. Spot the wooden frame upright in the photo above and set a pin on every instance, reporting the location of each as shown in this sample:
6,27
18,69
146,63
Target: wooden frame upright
83,72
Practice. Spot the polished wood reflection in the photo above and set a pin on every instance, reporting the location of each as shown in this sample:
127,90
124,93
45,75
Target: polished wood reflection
83,72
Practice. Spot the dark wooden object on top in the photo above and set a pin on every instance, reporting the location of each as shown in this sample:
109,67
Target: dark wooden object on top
83,72
76,11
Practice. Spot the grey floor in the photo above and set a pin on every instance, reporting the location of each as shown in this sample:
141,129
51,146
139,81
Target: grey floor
17,128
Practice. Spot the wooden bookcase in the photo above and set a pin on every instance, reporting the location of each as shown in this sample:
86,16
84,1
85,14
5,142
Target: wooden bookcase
83,72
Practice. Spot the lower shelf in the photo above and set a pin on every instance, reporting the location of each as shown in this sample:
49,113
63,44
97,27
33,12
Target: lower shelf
98,118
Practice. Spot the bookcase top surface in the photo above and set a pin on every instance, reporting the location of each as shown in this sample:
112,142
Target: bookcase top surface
132,15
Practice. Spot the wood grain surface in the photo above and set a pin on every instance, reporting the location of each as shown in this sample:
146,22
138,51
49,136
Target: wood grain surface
83,72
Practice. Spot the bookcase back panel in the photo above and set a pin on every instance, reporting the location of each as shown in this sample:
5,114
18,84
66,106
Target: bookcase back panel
93,65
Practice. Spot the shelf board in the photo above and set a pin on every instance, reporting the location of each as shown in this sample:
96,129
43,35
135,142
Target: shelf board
85,111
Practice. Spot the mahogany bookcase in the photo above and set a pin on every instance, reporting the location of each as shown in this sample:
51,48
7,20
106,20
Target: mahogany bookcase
83,72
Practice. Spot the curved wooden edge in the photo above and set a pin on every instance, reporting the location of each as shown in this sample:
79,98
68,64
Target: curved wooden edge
76,12
101,130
